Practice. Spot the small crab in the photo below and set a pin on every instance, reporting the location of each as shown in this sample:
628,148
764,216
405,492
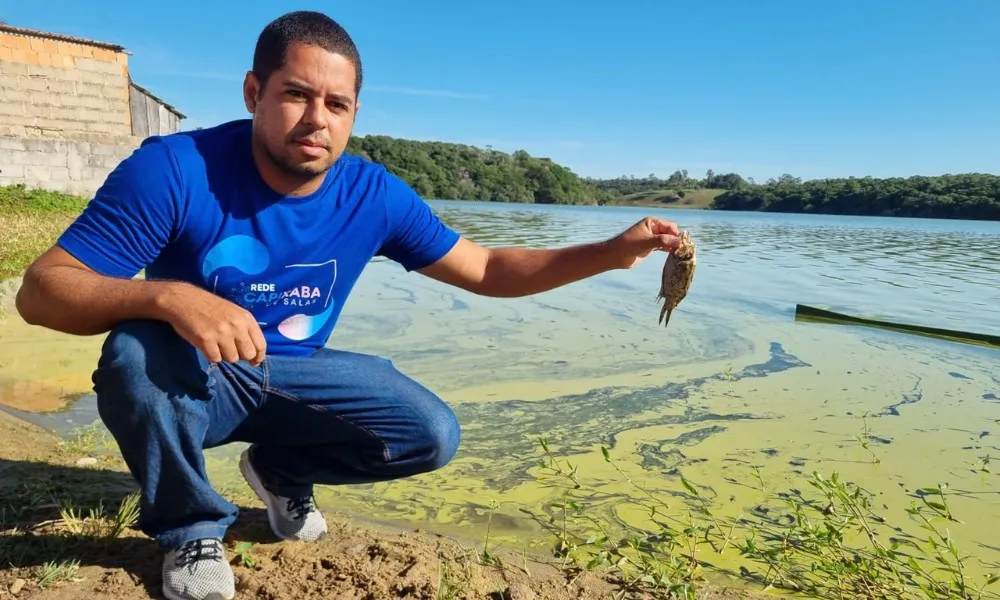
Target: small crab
678,273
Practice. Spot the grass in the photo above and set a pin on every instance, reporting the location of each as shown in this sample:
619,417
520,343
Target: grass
699,199
75,531
31,220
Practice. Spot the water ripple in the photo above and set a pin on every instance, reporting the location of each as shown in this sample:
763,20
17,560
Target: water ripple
932,272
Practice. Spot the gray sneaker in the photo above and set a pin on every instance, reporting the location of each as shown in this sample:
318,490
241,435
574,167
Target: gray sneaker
290,518
198,570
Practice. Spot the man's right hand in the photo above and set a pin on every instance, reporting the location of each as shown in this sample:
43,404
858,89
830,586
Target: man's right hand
223,331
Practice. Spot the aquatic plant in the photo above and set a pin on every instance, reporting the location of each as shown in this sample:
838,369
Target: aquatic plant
834,542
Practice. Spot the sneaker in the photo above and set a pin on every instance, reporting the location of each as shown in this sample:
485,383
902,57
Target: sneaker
290,518
198,570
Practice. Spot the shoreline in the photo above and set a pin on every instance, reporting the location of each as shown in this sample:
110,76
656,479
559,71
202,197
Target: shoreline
680,411
73,556
37,460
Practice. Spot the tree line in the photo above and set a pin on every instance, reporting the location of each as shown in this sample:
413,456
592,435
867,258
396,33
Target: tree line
961,196
445,170
459,172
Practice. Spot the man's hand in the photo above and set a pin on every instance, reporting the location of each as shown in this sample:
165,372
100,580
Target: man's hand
61,293
635,243
514,272
222,330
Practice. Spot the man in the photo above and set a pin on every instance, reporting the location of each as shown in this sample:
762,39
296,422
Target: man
252,235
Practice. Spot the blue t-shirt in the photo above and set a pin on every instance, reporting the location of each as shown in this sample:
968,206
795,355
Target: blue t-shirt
192,207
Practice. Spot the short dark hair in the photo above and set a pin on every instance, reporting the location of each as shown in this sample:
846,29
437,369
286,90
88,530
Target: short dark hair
305,27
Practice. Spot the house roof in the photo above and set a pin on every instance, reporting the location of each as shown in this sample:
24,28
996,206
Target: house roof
4,28
154,97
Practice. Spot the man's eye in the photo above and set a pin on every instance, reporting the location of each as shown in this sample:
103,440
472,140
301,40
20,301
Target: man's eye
295,94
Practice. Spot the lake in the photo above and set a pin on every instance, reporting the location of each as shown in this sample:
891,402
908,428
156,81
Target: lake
733,388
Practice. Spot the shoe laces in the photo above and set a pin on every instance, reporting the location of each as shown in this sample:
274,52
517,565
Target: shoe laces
195,551
300,507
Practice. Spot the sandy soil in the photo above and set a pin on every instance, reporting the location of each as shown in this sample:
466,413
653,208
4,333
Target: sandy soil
357,561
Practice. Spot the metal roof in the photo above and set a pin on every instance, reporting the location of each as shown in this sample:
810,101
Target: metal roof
158,99
60,37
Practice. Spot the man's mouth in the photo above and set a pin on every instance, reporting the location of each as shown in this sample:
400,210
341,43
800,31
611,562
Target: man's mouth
310,147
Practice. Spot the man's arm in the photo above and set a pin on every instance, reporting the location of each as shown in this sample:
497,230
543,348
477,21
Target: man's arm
417,239
84,284
61,293
515,272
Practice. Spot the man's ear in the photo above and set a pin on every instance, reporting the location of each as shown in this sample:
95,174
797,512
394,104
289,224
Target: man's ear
251,91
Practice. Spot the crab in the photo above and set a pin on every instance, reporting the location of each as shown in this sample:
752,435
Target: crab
678,273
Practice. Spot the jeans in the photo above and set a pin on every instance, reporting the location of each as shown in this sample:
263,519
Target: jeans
331,418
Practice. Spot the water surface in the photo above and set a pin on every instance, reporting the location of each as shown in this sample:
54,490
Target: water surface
586,365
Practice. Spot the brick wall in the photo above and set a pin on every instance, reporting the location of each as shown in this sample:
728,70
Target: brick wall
64,113
60,89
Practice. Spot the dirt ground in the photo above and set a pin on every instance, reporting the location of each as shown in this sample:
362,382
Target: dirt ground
38,545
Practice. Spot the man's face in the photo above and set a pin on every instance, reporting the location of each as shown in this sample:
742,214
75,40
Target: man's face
303,116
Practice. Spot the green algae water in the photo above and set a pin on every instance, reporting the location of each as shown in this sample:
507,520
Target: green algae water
735,395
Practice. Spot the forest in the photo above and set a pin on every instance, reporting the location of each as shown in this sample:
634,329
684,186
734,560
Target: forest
458,172
442,170
960,196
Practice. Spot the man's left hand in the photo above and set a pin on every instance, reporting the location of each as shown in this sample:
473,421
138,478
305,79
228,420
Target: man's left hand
635,243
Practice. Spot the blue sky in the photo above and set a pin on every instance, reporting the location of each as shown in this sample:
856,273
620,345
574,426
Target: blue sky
761,87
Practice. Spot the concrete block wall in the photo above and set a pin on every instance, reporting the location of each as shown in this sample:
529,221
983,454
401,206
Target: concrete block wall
65,120
69,166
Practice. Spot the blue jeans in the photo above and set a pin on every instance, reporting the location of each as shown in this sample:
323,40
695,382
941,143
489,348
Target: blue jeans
331,418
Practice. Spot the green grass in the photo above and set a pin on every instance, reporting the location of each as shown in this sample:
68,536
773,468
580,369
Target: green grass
20,199
31,220
700,199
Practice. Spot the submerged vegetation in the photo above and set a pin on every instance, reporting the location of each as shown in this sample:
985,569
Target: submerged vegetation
834,542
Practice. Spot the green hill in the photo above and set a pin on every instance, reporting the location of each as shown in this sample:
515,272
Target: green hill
459,172
696,198
462,172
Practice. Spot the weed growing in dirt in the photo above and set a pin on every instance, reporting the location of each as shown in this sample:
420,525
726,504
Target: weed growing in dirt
242,552
83,441
448,586
487,557
833,543
52,572
97,523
